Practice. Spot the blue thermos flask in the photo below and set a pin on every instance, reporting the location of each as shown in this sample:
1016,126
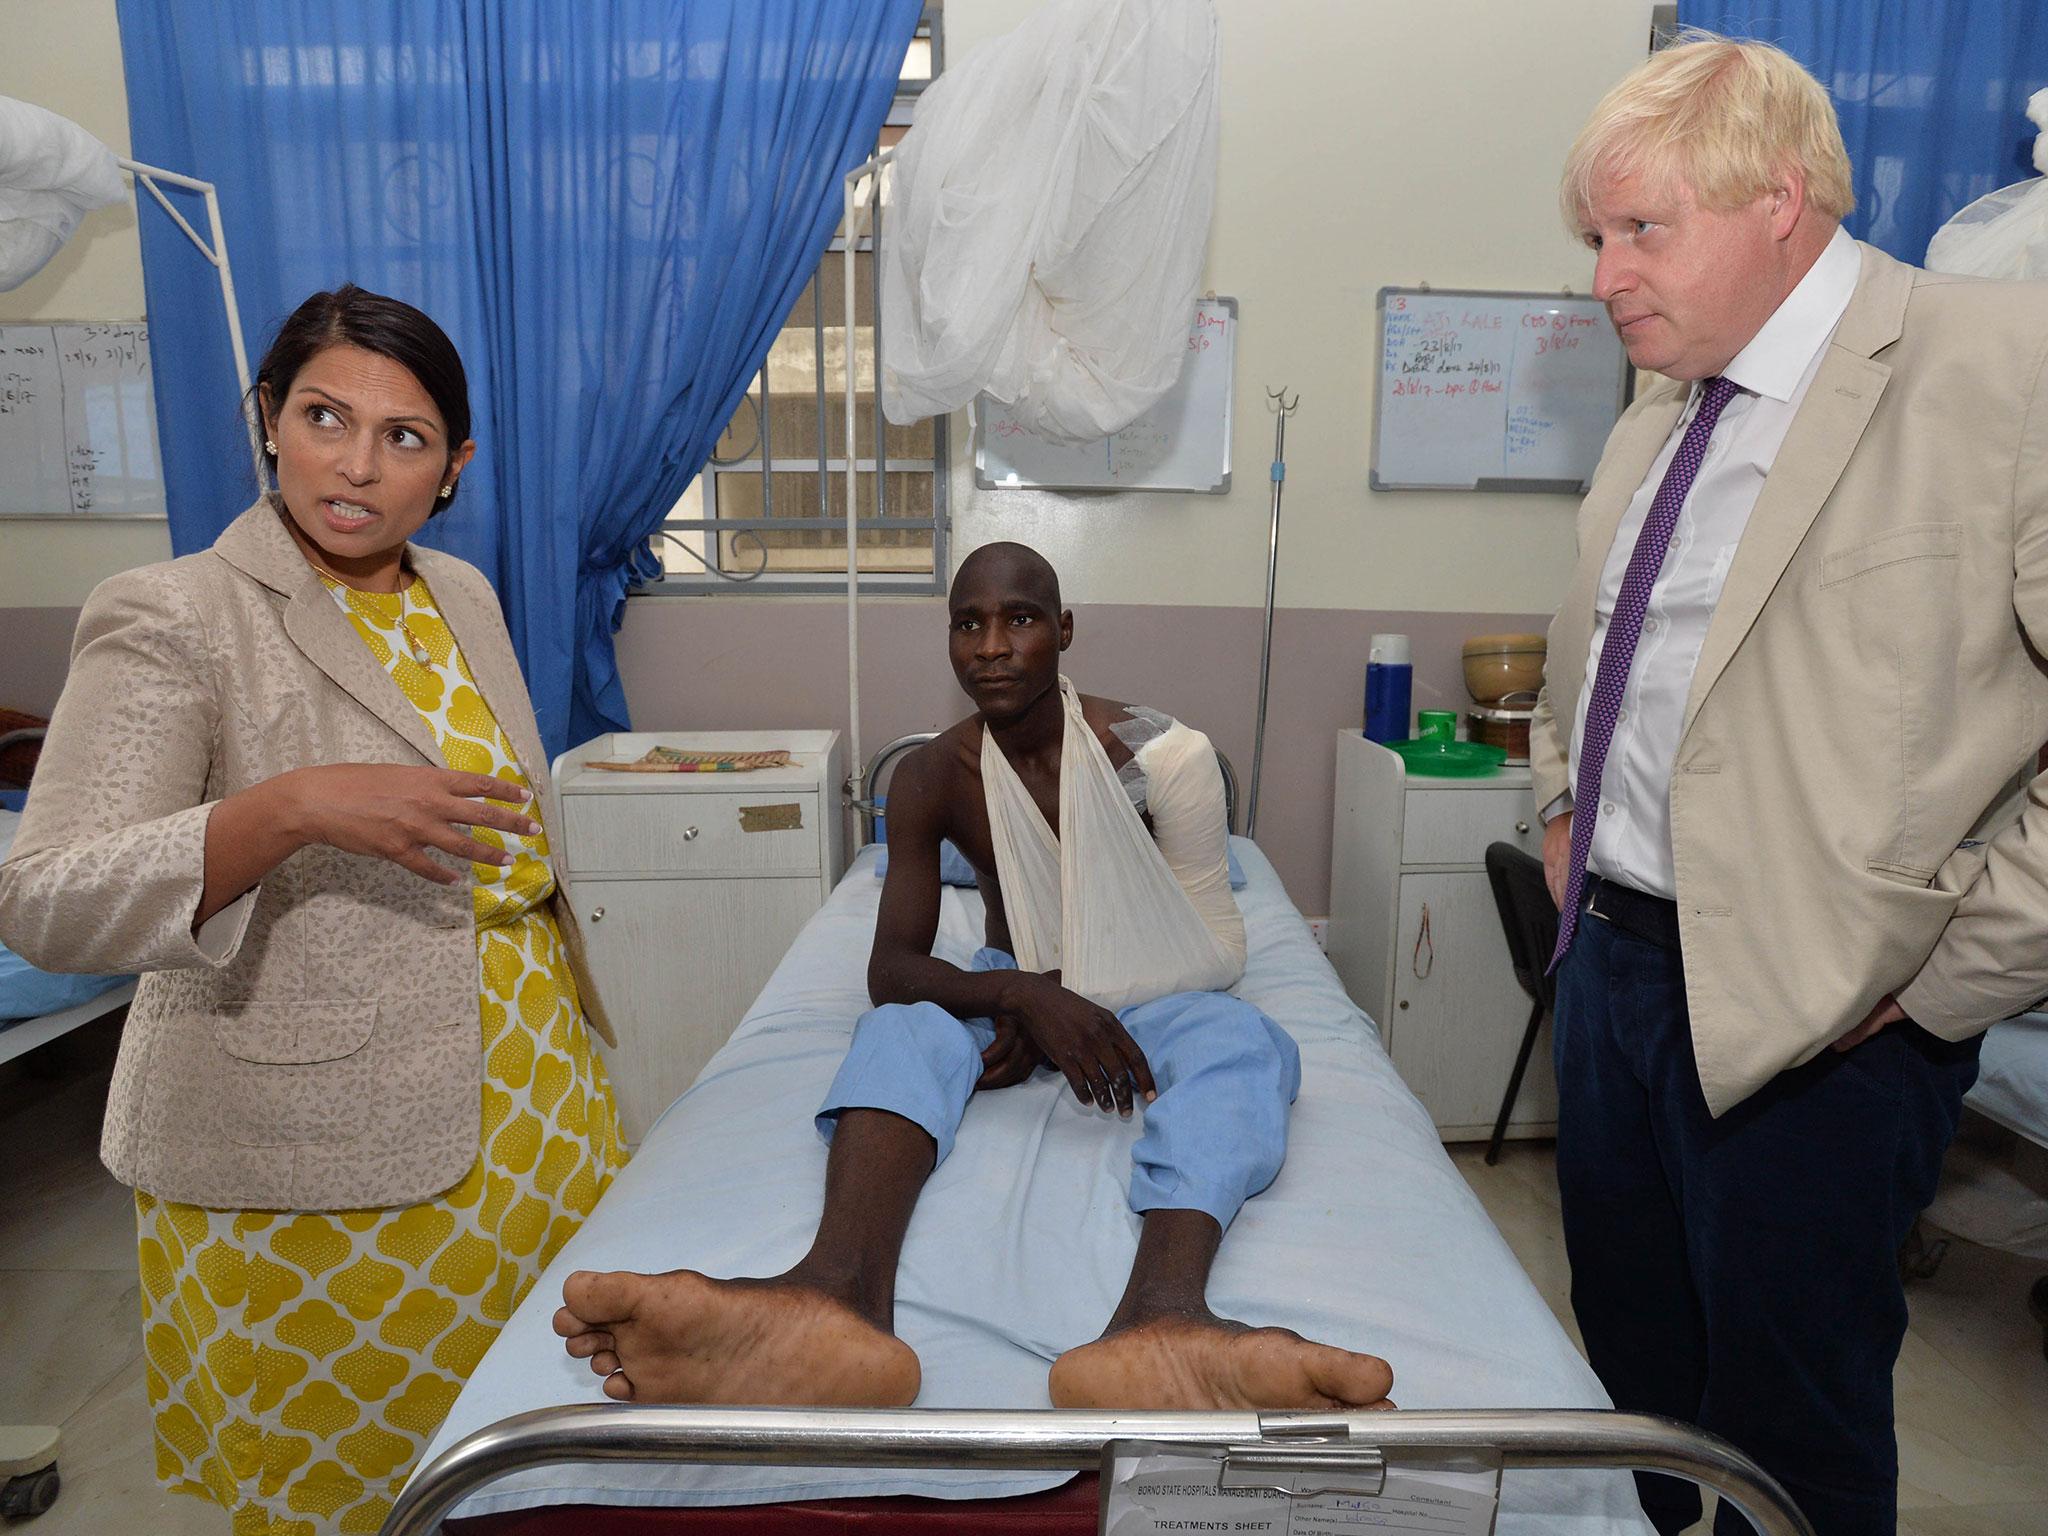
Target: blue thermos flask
1389,683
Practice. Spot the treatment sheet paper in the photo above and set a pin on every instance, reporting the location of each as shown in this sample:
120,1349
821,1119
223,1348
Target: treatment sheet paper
1166,1493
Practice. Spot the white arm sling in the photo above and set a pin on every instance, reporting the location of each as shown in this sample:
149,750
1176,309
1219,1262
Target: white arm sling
1123,918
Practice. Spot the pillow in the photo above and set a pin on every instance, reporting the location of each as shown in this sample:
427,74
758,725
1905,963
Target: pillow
955,870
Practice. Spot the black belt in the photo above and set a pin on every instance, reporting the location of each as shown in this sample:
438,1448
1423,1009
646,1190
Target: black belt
1649,918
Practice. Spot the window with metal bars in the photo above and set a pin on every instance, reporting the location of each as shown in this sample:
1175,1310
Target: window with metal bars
768,512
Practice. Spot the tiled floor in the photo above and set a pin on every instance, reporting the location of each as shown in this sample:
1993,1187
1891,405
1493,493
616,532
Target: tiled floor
1973,1386
1971,1381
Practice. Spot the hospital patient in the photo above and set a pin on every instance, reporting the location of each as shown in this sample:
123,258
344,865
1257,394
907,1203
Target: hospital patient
1097,836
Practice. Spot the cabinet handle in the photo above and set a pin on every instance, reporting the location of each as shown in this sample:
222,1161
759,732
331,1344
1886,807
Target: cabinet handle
597,914
1423,961
690,834
1522,827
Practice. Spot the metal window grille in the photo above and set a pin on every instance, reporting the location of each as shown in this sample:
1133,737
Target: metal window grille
768,512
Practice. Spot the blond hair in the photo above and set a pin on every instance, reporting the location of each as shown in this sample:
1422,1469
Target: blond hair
1726,118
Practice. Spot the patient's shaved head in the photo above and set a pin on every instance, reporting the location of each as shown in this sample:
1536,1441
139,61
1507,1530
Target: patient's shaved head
1010,571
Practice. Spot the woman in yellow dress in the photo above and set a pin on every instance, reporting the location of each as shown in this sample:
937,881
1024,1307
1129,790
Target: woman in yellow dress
339,1206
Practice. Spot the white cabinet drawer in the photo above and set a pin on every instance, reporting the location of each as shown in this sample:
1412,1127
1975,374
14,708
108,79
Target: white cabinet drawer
693,834
1453,826
677,963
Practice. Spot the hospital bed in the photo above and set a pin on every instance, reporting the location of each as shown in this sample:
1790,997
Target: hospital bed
1369,1239
2012,1077
35,1006
2012,1090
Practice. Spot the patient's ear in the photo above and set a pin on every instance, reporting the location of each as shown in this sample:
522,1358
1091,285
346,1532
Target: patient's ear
1066,627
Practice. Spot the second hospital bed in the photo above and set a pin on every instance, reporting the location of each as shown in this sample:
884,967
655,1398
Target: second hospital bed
1368,1239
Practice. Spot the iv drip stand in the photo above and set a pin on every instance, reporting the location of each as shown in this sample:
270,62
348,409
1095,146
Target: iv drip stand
1283,408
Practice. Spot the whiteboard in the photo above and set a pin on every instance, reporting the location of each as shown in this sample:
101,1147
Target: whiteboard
78,422
1180,444
1493,391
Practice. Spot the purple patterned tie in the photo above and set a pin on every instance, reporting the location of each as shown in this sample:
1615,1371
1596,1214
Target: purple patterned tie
1618,649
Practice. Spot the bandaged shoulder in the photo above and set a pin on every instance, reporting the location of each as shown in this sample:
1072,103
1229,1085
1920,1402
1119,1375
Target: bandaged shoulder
1190,823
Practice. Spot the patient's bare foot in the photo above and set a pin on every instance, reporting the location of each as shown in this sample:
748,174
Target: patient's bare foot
683,1337
1196,1360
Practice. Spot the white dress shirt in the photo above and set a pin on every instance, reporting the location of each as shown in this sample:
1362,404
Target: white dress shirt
1632,837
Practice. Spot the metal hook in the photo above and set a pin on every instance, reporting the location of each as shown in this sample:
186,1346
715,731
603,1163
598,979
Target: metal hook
1279,396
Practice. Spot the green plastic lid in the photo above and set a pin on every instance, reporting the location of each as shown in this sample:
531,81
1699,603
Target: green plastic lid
1449,759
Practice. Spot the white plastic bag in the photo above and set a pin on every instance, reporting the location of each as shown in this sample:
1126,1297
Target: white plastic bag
1045,231
52,174
2005,233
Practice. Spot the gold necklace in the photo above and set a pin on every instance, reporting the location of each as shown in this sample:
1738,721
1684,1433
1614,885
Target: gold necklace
420,653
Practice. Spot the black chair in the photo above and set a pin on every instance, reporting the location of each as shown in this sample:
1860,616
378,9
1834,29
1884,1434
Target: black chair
1529,919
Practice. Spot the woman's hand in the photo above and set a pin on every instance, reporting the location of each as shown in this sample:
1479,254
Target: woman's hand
392,811
1080,1039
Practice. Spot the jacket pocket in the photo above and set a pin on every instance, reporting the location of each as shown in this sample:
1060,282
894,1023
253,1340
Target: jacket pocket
1902,874
1914,541
294,1074
294,1033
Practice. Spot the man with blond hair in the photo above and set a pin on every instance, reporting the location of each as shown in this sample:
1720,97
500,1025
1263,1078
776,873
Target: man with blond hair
1796,666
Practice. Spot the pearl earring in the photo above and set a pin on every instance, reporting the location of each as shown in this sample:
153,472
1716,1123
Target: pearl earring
447,491
270,448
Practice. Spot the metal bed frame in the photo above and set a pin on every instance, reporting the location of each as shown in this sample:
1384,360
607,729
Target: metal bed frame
1254,1449
868,807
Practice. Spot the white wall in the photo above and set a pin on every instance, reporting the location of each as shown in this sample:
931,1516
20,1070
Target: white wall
67,57
1365,143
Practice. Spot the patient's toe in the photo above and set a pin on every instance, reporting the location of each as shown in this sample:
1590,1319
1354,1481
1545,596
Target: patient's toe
1352,1379
581,1346
599,1298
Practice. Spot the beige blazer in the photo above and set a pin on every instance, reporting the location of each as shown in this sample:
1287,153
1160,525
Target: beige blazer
317,1044
1870,680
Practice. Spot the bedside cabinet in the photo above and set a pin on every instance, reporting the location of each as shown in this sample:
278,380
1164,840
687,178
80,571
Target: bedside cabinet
1417,940
689,888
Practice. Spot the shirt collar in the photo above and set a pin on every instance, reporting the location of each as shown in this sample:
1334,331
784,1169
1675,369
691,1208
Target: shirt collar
1779,355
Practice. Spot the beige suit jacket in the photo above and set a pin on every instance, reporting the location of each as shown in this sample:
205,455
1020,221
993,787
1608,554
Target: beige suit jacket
317,1044
1870,680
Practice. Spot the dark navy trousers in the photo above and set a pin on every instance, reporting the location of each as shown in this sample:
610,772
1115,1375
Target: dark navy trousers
1741,1273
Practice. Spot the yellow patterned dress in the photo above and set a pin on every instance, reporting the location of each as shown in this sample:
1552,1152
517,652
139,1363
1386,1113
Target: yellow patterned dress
299,1361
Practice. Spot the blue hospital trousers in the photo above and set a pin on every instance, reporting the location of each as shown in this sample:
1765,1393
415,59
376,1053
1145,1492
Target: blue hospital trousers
1214,1137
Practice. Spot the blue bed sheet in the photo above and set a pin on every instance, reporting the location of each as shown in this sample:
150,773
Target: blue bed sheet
2012,1076
27,993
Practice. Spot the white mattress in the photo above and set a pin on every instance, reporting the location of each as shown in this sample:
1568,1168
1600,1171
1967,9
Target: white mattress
2012,1076
1369,1239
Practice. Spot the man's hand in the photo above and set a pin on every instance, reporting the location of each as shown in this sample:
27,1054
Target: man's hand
1557,857
1886,1012
1080,1039
1009,1059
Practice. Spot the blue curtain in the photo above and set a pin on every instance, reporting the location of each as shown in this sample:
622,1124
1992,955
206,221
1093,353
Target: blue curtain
609,207
1932,95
